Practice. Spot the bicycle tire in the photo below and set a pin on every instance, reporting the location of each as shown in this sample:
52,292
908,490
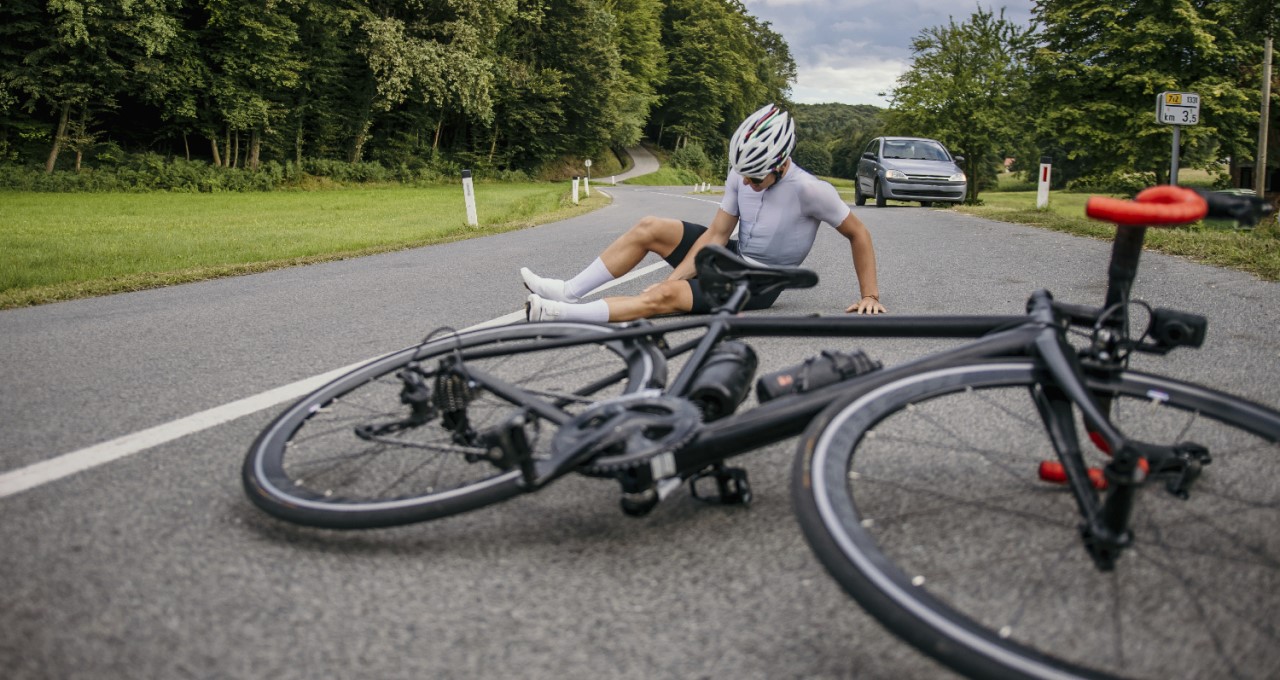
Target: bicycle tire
311,467
959,550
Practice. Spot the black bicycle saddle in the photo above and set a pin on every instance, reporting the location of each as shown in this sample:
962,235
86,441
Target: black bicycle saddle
720,271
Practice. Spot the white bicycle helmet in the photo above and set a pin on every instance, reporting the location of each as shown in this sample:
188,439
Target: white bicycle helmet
762,143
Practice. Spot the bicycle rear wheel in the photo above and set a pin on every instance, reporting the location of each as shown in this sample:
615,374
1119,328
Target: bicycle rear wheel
920,495
344,457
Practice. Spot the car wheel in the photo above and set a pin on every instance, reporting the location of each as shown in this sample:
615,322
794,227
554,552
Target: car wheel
859,198
926,204
880,200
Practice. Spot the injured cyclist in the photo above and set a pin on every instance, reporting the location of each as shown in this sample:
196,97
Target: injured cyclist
776,206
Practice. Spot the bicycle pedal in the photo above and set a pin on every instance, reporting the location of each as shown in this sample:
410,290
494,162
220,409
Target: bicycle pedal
640,503
732,486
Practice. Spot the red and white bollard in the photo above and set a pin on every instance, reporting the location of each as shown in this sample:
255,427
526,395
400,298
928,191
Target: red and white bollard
1042,191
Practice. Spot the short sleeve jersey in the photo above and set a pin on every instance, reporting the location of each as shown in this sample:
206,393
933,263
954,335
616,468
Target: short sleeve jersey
777,226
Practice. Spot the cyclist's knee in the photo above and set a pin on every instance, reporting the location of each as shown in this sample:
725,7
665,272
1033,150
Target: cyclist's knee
652,230
667,297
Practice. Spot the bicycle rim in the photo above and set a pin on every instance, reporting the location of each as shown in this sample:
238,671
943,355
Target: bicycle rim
312,467
921,497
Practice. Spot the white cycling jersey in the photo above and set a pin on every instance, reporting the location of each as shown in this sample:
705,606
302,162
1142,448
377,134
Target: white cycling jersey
777,226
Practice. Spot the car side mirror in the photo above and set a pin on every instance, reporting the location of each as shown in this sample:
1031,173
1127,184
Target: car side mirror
868,155
959,159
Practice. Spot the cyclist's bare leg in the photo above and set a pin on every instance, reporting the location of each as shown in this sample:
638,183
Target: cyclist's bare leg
651,234
554,299
668,297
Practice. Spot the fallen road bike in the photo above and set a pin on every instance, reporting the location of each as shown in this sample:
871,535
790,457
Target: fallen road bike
1022,504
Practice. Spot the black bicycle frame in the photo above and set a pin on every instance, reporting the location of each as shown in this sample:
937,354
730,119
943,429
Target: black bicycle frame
1039,335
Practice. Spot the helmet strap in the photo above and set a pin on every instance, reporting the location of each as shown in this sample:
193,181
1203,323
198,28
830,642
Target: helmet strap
777,172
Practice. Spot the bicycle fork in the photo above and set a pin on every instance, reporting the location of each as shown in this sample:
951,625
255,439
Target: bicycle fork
1106,526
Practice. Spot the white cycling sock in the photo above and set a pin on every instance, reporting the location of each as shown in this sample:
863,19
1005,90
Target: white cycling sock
596,311
594,276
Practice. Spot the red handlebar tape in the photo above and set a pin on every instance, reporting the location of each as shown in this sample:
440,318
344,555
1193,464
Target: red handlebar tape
1158,206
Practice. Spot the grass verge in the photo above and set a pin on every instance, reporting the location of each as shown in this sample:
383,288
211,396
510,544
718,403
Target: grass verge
66,246
1256,251
666,177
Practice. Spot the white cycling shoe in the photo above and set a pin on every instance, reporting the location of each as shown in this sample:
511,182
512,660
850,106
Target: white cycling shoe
547,289
538,308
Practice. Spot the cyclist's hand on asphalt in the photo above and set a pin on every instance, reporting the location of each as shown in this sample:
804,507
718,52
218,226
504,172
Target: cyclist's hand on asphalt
867,305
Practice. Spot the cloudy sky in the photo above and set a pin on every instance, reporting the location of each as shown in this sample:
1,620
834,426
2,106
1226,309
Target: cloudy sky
847,51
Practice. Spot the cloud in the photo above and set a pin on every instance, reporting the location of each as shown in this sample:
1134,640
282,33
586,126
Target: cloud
850,50
860,80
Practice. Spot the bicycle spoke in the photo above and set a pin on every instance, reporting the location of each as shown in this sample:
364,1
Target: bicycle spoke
945,485
405,429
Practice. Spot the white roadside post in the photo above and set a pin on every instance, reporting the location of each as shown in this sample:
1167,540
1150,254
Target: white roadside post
469,193
1042,189
1177,109
586,182
575,189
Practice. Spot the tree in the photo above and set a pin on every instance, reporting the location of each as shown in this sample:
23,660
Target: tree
332,76
813,156
723,65
497,83
638,27
254,66
579,43
79,55
432,60
1101,65
1259,21
965,88
842,129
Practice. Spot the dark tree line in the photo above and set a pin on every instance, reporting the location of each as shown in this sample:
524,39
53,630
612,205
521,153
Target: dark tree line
506,84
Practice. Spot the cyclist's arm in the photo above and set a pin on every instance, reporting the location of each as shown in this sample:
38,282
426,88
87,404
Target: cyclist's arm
717,232
864,265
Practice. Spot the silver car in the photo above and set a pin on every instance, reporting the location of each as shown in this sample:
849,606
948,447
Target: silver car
908,169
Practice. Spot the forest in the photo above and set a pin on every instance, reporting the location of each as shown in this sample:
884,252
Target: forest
412,90
497,85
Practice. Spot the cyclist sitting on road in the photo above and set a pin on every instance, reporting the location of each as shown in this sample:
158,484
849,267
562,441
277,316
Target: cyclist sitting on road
777,223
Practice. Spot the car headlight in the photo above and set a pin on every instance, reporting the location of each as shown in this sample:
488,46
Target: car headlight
958,177
894,174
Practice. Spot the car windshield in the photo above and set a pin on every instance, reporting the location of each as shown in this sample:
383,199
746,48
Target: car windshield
914,149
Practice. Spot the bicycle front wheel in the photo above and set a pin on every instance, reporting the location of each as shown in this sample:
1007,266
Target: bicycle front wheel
352,454
921,497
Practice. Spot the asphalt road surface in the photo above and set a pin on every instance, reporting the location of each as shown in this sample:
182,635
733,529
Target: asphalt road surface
128,550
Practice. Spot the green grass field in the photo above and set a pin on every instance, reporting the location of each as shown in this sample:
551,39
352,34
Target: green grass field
665,177
1256,250
66,246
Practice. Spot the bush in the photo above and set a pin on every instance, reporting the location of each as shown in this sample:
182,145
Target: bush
693,158
153,172
814,157
1128,183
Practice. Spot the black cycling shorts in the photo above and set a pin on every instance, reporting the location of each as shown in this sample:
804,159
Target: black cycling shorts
700,305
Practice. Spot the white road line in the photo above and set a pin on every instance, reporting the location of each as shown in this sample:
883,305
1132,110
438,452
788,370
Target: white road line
67,464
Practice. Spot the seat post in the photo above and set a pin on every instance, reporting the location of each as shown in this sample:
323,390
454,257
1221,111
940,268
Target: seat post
1125,252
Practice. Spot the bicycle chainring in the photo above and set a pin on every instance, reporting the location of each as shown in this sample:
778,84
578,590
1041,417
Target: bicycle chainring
627,432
